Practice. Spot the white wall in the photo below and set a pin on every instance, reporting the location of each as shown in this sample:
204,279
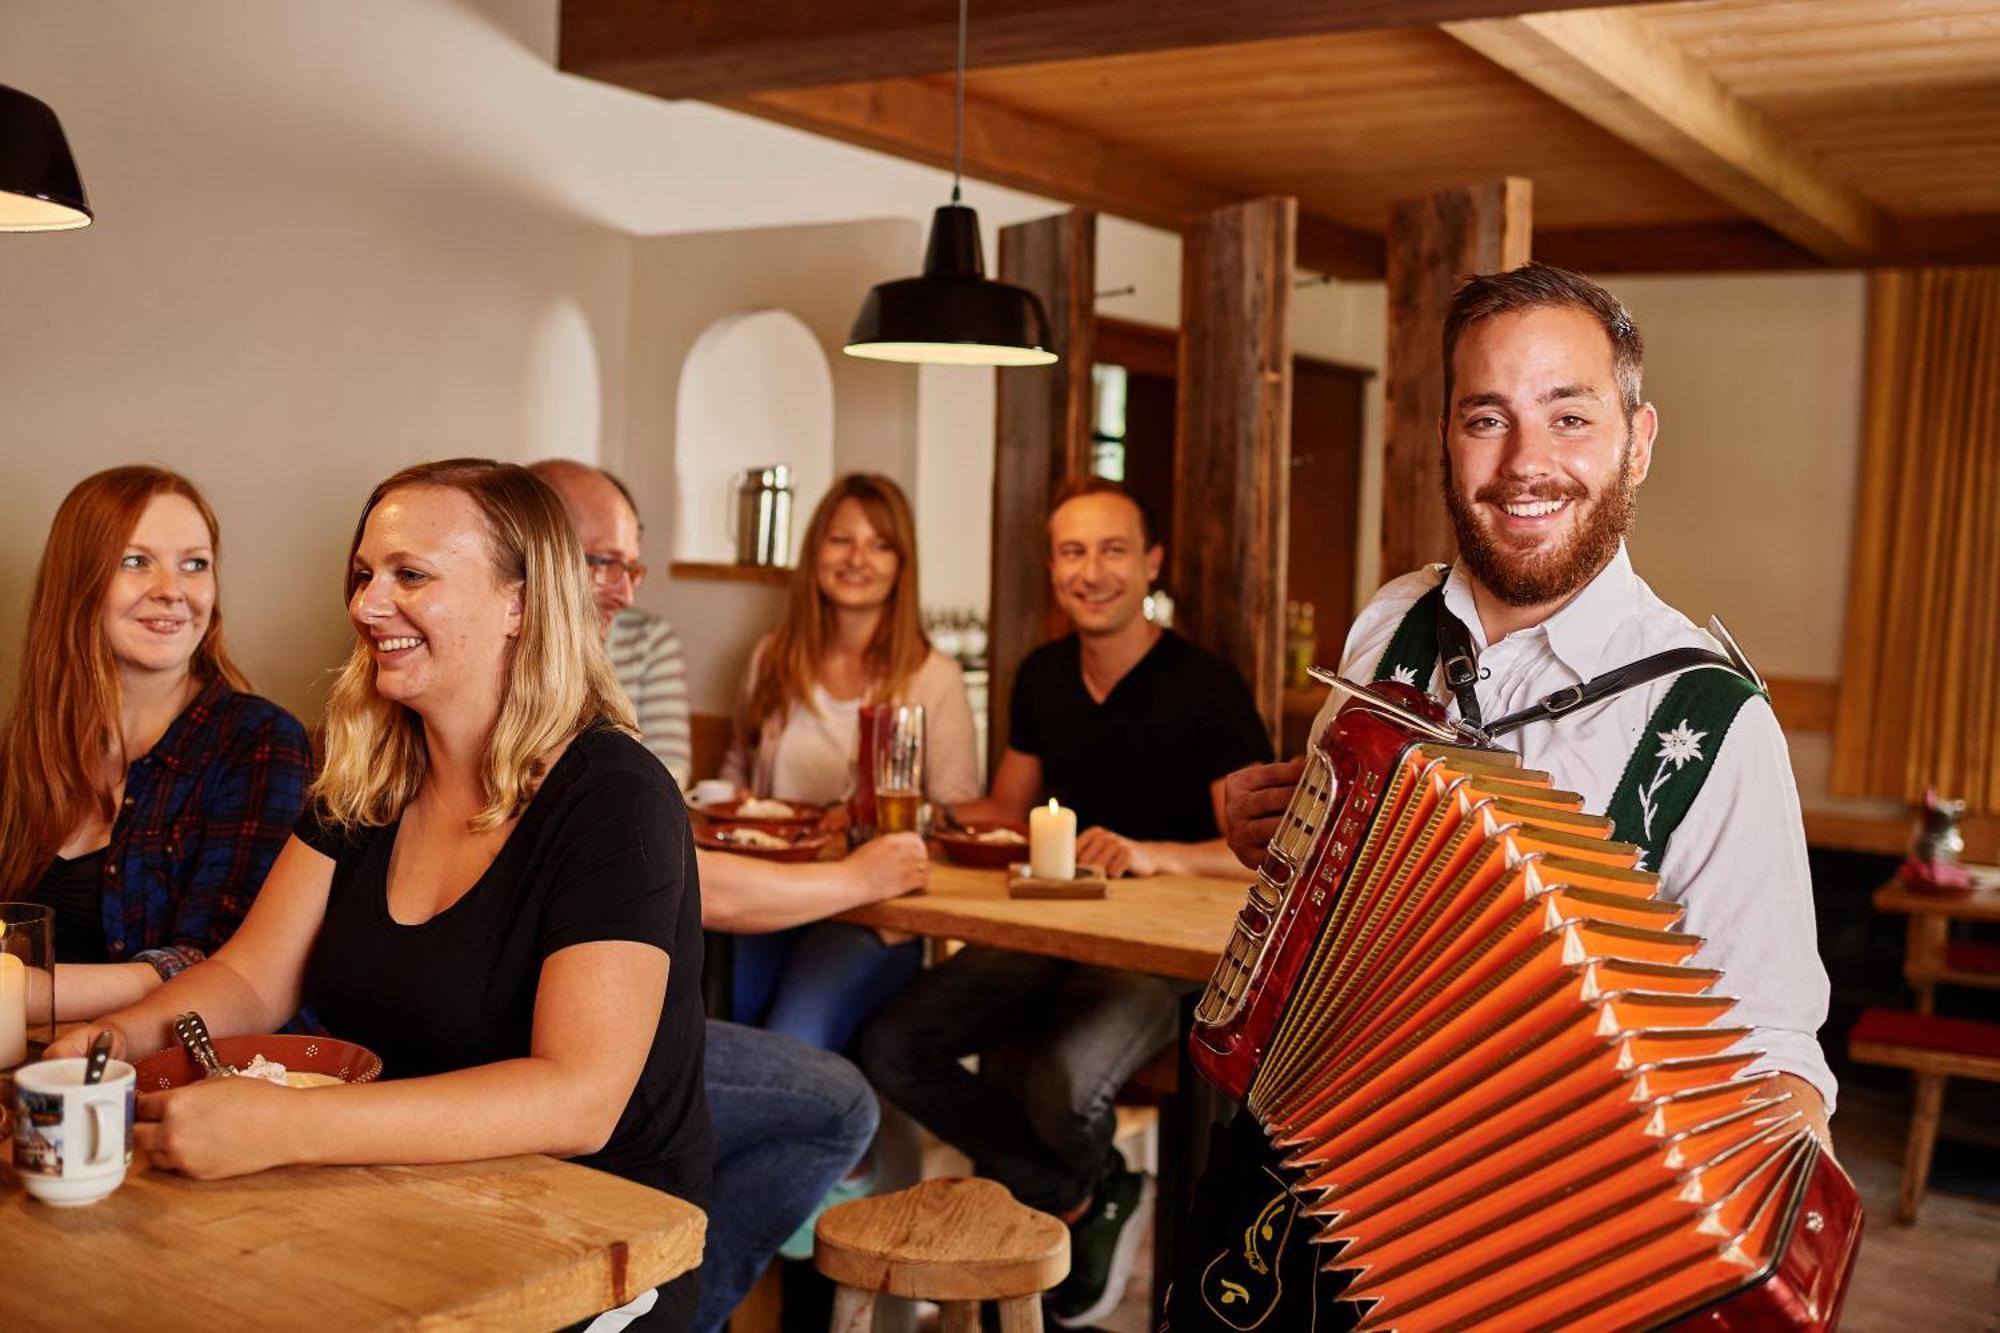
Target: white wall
337,238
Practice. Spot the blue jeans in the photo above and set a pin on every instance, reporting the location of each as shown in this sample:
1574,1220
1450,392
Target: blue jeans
818,983
788,1122
1056,1040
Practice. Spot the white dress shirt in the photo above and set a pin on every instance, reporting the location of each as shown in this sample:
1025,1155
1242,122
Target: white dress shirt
1737,863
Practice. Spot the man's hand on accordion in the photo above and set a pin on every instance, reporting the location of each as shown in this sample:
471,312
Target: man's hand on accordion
1253,798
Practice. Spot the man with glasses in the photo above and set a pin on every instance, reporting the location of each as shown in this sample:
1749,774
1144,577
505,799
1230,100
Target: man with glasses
645,652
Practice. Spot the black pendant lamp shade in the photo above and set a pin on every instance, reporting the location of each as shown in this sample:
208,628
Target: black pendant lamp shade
39,188
953,314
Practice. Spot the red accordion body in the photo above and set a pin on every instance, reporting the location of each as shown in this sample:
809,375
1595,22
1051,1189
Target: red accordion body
1504,1096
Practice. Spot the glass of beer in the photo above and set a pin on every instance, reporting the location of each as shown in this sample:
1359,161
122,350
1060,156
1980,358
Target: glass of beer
899,770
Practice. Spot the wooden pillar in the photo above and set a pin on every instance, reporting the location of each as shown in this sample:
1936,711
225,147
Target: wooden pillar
1041,438
1232,446
1434,244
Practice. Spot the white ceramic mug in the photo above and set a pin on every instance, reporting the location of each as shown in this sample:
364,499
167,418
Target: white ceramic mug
71,1142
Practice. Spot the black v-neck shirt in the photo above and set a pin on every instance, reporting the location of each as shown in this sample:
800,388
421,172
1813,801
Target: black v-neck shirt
1141,762
601,853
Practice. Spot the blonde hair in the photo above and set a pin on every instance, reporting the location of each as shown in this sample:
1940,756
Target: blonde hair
559,680
790,663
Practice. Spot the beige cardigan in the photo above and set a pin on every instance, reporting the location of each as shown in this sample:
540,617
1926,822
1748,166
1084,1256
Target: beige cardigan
951,765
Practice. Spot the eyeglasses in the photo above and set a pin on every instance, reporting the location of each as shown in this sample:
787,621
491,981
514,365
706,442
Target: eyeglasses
606,569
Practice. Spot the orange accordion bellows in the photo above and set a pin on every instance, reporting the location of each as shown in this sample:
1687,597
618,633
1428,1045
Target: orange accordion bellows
1501,1092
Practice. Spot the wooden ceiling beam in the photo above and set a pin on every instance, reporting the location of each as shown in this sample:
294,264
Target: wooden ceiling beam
730,48
1614,70
912,118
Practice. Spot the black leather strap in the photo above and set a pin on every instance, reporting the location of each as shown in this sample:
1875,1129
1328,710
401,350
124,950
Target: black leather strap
1461,676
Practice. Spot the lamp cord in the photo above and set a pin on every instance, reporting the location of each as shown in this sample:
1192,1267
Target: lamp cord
958,109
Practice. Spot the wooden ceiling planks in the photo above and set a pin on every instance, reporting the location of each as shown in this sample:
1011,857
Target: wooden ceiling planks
1350,123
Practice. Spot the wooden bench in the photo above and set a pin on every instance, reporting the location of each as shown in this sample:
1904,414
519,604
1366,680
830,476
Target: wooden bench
1932,1049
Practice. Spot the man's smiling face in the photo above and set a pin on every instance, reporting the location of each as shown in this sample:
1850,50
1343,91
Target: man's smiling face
1542,461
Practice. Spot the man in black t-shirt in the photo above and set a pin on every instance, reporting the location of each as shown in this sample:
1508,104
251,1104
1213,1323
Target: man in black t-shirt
1135,729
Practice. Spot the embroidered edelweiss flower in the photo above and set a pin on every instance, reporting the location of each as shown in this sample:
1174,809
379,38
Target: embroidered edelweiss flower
1404,675
1681,745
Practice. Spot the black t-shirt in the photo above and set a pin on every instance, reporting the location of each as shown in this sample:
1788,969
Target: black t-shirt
601,853
1141,762
75,889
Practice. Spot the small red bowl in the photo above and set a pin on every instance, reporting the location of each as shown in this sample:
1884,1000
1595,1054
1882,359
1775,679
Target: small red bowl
966,850
724,812
173,1067
801,845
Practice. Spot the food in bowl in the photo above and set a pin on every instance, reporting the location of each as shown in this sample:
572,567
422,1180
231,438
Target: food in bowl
1002,837
763,807
753,837
273,1072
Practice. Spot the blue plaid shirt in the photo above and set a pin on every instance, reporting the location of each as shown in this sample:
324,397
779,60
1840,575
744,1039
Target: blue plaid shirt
206,811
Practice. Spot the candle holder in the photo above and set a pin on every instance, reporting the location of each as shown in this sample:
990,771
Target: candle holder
27,982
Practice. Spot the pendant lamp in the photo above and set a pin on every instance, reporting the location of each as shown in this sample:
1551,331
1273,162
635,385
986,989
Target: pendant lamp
39,188
953,314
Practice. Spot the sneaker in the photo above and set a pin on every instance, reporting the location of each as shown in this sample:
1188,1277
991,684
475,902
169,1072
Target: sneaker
1102,1245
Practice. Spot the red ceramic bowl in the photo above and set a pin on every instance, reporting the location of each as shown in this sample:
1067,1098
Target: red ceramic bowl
724,812
967,850
800,844
173,1067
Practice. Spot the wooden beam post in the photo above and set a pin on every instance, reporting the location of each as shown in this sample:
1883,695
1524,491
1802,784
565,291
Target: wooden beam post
1434,244
1041,438
1232,439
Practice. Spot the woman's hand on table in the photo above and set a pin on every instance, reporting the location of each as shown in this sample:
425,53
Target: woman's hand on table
890,866
76,1042
218,1127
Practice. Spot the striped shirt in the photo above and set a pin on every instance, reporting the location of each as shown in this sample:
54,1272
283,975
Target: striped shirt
646,657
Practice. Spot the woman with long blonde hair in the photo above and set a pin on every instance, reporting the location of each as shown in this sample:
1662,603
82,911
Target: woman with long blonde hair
144,792
852,634
493,887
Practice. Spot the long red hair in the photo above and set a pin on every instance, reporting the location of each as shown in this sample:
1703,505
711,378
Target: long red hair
790,663
66,714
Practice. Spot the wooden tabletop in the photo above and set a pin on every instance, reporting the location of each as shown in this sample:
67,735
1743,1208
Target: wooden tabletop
1167,925
515,1243
1982,904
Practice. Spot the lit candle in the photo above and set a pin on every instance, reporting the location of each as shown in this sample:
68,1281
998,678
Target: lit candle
13,1011
1052,843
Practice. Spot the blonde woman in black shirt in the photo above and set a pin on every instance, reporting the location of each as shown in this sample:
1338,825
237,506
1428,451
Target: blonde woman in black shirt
493,885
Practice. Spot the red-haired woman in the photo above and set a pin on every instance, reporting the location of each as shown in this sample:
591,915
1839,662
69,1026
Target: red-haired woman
143,792
852,634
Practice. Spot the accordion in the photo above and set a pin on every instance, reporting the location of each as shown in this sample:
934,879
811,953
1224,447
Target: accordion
1502,1096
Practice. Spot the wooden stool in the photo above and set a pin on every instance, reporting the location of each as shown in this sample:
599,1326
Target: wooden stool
1932,1049
957,1242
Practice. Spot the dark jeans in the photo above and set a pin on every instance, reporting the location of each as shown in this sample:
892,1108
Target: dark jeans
819,982
789,1120
1073,1033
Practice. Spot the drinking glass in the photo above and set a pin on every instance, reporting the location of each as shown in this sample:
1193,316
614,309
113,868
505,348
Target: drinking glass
899,770
27,982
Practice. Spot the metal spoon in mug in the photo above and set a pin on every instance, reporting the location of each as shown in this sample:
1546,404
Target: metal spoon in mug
100,1056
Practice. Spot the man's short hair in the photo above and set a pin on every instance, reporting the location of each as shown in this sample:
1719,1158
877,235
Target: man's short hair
1535,286
1078,487
548,469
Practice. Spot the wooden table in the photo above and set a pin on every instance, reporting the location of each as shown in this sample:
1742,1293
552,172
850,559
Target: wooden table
1166,925
515,1243
1926,952
1172,926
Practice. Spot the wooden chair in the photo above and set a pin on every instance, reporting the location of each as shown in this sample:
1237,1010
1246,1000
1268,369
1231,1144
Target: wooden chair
1932,1049
955,1241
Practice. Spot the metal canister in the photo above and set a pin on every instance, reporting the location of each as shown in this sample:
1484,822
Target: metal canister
763,516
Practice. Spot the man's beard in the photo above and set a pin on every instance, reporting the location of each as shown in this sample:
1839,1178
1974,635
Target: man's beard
1545,573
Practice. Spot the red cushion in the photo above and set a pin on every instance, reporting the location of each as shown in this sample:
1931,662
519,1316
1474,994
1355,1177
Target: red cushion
1968,956
1928,1032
